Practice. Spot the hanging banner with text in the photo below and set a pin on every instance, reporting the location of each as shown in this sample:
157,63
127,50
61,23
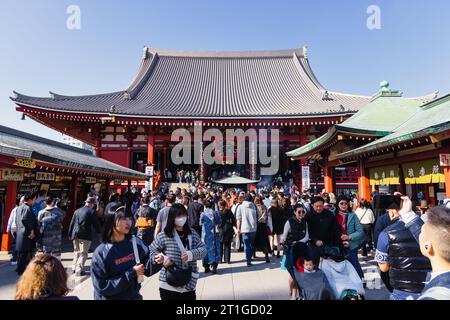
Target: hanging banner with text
7,174
306,177
427,171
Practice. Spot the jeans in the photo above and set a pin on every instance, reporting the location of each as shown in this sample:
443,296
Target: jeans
249,240
352,257
403,295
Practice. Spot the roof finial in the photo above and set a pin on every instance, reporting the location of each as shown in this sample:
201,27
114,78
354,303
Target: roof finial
113,109
145,53
305,52
384,86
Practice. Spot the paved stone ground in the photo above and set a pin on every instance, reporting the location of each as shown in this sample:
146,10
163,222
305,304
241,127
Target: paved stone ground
235,281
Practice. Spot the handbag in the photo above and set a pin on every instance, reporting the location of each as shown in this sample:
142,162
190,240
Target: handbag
177,276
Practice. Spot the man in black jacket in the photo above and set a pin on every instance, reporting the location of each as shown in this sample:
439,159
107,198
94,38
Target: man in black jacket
322,224
27,232
195,208
80,231
398,252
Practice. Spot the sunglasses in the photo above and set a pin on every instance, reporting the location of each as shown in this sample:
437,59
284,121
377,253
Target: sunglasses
343,203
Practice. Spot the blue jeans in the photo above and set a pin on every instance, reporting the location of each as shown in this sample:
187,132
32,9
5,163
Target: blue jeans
352,257
249,240
403,295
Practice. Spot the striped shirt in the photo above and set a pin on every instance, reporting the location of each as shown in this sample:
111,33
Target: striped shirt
169,247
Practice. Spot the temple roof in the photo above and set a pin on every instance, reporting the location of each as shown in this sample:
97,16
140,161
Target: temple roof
205,85
15,143
387,110
430,119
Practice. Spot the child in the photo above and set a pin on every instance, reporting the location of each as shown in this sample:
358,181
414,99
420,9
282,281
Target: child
308,266
312,283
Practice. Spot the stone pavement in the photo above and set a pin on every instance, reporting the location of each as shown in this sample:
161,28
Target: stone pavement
236,281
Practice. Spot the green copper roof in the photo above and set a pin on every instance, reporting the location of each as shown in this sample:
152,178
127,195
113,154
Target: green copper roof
386,111
431,118
381,116
313,145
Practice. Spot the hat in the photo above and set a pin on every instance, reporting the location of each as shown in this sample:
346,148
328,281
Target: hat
90,200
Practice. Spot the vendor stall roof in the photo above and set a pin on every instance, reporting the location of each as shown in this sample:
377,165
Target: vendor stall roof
15,143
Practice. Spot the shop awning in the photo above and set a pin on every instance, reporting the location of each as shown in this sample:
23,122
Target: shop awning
387,175
423,172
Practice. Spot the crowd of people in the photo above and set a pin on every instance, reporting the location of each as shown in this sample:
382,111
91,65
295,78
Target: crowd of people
316,238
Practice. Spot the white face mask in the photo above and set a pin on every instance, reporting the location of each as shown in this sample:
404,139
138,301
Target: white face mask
180,221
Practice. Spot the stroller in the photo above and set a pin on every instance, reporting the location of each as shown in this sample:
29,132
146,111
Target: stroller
335,278
342,276
311,286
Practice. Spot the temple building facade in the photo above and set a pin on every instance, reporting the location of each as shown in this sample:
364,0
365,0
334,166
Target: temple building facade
271,90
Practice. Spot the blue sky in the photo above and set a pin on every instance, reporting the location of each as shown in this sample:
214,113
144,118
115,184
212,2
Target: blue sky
39,54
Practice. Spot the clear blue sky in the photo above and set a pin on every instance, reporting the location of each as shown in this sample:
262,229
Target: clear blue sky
39,54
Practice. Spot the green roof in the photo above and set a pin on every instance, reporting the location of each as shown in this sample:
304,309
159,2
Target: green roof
313,145
431,118
380,117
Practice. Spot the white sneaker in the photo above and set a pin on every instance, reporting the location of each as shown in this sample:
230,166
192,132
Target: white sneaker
13,263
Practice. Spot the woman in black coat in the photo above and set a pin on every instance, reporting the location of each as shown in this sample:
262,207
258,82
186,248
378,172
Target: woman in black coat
226,231
278,221
27,232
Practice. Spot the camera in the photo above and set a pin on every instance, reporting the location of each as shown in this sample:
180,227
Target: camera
387,201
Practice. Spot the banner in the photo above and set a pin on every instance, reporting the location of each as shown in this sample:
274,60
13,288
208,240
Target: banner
45,176
7,174
387,175
91,180
306,177
423,172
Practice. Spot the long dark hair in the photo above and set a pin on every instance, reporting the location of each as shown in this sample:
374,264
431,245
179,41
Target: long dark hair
176,210
110,222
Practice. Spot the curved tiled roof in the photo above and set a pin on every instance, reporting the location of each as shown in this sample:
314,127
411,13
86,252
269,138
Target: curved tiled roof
16,143
182,84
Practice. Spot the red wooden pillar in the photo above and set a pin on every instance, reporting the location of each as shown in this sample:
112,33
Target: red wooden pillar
363,182
165,157
447,181
150,148
328,178
97,148
10,203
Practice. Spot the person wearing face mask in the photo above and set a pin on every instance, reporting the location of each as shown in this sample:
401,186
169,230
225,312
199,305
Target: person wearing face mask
295,230
177,248
115,270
